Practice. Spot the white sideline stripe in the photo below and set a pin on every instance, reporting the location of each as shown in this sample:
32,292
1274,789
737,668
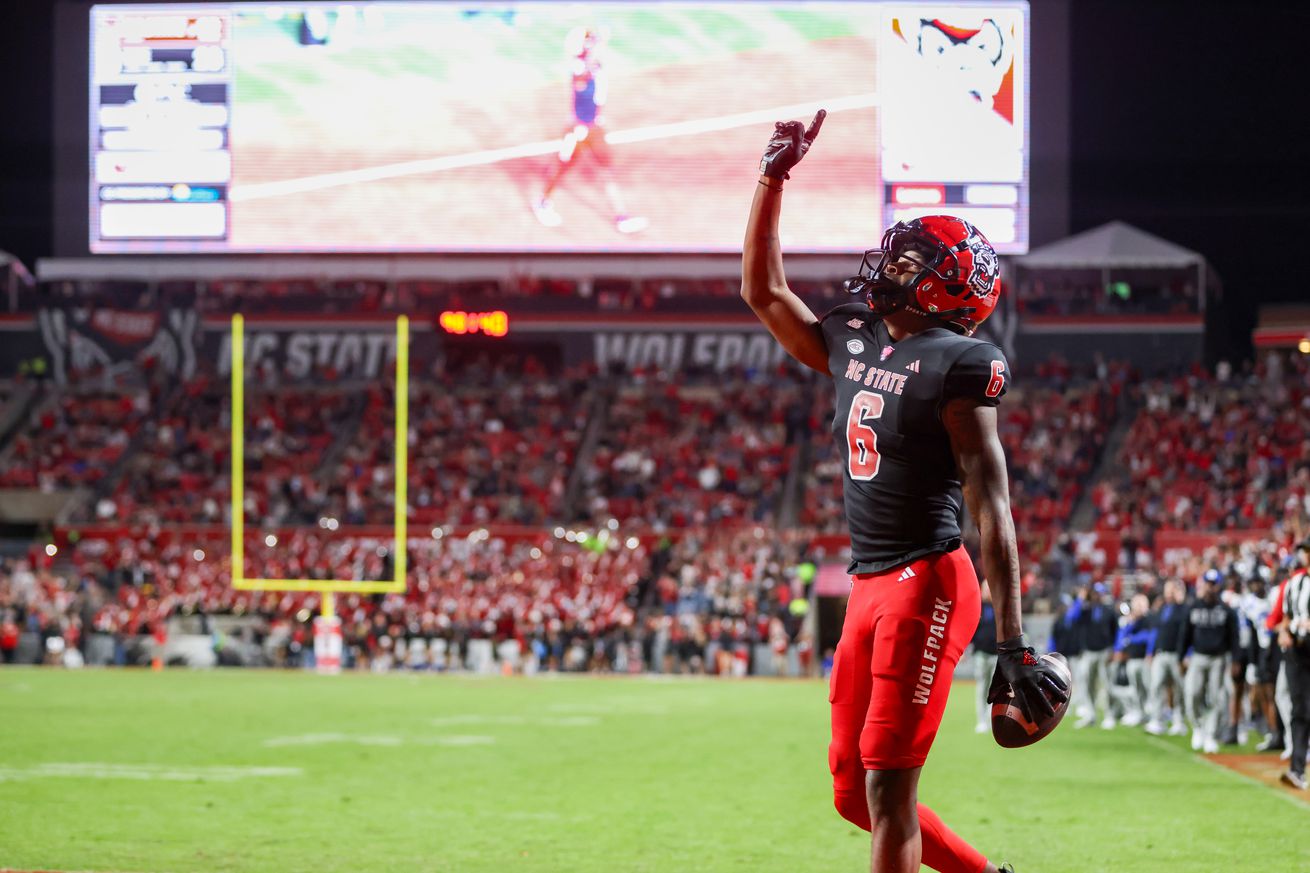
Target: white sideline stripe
617,708
458,740
1241,777
321,739
548,721
142,772
241,193
377,740
450,720
44,870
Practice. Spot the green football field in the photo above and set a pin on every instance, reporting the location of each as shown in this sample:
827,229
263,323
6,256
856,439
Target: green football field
274,771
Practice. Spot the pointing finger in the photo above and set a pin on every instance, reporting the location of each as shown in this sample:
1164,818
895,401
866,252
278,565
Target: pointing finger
815,125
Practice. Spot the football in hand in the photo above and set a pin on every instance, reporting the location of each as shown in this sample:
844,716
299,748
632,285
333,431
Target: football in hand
1012,729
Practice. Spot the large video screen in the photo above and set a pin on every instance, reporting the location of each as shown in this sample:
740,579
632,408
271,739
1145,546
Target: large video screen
547,127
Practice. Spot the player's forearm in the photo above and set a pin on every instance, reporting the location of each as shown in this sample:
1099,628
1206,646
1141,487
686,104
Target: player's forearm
764,286
1000,560
762,278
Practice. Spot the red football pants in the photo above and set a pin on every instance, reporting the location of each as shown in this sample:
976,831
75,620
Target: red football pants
905,630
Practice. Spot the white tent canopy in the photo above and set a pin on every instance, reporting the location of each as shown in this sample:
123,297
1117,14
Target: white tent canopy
1113,246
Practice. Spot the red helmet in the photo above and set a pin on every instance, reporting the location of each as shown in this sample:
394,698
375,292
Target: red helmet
961,277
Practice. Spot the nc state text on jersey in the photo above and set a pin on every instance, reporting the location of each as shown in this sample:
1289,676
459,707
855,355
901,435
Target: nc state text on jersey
875,377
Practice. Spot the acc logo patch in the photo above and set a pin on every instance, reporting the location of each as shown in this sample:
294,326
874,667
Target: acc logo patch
854,346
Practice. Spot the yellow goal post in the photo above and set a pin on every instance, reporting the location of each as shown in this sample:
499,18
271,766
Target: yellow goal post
328,587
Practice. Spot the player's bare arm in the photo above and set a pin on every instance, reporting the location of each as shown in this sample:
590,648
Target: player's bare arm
981,464
763,282
980,461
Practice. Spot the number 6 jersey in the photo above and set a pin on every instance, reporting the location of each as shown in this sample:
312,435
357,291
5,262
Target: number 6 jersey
900,486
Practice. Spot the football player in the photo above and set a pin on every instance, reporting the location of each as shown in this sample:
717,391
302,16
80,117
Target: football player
586,136
916,423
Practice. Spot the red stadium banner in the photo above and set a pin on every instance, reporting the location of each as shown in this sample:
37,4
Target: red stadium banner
81,341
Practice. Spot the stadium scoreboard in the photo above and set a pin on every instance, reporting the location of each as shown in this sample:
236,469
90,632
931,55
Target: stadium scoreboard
547,126
160,116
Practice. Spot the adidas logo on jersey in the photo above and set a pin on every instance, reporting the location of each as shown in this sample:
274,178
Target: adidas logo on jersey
913,366
907,573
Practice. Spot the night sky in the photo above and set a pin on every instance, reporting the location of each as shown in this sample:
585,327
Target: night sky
1182,123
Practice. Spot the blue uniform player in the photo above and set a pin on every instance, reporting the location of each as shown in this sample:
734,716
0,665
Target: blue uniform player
587,136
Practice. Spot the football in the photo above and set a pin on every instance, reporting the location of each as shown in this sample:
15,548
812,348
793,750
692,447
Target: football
1013,730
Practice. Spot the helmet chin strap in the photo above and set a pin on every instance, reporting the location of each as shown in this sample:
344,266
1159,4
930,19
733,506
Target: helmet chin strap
887,297
883,297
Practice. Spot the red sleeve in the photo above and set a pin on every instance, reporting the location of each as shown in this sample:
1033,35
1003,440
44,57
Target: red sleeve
1276,613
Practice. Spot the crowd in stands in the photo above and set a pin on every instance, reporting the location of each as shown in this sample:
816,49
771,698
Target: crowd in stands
642,602
678,451
1053,436
75,439
180,470
1228,451
642,453
488,444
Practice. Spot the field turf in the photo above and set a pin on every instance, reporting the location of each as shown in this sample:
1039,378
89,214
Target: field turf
275,771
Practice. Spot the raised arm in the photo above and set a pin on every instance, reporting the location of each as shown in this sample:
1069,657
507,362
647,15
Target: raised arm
763,283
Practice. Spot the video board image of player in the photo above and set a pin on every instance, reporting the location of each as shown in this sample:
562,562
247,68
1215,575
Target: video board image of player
441,127
966,64
540,126
976,54
586,136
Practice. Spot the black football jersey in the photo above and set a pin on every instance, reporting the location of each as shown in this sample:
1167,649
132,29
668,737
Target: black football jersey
901,488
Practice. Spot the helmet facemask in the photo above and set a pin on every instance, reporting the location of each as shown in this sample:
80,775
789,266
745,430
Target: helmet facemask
886,295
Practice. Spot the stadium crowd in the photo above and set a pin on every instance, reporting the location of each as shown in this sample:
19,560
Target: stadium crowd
726,602
75,439
635,522
613,601
1227,451
179,470
679,451
487,444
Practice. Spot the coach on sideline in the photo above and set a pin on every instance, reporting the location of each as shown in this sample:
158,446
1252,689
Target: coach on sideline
1294,640
1208,645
